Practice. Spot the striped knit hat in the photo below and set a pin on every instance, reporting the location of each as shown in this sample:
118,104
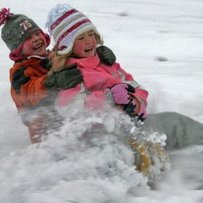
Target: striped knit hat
65,24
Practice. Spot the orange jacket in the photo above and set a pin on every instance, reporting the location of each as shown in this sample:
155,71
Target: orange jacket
27,77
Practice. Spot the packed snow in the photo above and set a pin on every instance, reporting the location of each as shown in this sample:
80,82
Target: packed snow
160,43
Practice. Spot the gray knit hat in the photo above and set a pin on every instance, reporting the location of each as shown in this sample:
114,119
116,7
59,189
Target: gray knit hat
17,28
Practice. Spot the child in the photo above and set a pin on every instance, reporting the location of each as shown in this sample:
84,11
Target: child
28,43
76,39
32,83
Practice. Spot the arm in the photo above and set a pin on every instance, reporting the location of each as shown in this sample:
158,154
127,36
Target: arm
27,88
129,94
33,84
138,104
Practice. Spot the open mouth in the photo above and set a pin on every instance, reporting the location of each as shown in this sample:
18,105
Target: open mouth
37,46
89,49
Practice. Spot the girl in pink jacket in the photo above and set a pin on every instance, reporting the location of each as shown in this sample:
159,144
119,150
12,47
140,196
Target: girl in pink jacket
76,40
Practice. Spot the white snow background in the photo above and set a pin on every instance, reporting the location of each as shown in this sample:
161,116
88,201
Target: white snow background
160,42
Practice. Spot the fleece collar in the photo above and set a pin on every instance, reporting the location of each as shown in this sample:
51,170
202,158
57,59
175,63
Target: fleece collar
88,63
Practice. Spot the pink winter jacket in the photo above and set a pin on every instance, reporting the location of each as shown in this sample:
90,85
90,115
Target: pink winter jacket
97,81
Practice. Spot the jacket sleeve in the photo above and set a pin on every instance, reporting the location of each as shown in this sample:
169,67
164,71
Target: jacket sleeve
27,86
140,100
139,96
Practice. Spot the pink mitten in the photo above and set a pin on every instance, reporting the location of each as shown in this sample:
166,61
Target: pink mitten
120,93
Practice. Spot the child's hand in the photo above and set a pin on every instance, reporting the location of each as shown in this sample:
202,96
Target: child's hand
136,108
57,61
64,79
120,93
106,55
133,105
132,109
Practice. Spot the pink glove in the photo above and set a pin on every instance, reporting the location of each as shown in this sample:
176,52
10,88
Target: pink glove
120,93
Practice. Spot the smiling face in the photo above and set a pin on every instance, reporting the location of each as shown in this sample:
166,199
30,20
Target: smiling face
36,44
85,45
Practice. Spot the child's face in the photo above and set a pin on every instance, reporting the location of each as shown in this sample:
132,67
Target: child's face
36,44
85,45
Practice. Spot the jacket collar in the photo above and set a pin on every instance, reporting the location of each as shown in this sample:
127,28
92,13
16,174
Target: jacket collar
90,62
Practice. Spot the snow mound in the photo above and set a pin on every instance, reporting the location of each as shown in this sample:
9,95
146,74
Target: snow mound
88,161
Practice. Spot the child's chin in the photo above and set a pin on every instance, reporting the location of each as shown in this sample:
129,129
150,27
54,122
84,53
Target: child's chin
40,52
89,54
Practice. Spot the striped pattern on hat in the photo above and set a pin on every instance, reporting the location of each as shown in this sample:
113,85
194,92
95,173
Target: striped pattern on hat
65,24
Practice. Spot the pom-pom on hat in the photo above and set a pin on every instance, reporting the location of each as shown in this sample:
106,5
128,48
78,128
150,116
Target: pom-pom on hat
16,29
65,24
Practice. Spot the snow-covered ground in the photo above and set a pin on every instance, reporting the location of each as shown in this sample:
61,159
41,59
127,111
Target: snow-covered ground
160,42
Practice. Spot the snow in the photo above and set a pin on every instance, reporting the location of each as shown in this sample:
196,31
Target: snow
161,44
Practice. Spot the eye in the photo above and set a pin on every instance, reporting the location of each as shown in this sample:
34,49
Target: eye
81,38
91,34
38,33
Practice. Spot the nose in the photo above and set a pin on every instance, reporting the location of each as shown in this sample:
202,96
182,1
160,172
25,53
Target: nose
35,37
88,40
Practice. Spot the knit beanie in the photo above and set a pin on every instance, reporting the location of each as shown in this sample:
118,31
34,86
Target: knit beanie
65,24
17,28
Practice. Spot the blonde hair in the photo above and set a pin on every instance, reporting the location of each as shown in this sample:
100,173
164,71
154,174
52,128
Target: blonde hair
98,39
